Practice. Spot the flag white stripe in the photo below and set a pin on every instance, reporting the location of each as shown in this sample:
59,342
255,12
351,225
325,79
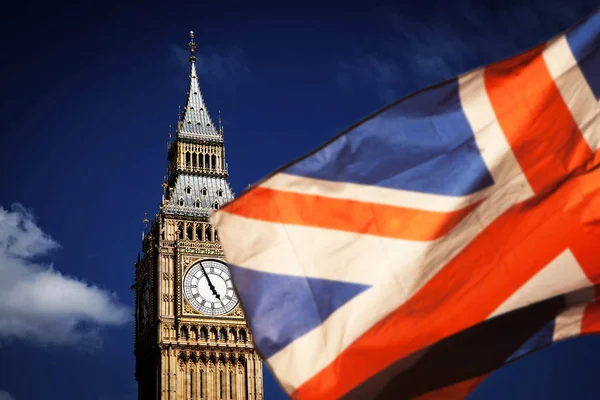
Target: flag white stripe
568,323
574,88
562,275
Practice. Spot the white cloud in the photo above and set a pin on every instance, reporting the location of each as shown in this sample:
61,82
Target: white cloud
4,395
39,303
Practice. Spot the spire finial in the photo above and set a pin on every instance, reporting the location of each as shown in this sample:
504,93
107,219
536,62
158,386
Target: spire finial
145,221
192,48
220,123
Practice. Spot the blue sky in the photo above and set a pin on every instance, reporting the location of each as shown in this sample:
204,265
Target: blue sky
88,94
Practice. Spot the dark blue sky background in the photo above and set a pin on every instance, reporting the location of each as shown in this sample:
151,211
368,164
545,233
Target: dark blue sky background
88,93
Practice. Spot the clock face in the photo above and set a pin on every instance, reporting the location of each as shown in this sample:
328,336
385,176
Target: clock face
208,287
144,304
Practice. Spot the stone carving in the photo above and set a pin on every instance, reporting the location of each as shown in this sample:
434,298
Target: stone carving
168,297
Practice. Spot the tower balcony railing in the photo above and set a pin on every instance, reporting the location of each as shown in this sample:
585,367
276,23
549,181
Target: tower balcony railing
201,170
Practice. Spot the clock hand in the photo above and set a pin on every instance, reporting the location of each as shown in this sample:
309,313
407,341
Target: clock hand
210,285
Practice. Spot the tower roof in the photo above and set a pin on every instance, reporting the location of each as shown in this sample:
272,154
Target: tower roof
196,122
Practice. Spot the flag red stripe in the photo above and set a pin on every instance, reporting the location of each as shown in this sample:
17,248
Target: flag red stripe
536,121
591,319
458,391
346,215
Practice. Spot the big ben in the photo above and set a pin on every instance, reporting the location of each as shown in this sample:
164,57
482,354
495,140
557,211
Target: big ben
191,338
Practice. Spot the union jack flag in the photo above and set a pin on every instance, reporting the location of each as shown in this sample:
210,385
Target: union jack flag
448,234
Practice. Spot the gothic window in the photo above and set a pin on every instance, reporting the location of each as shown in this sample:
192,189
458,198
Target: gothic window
208,234
187,159
232,334
194,160
203,333
215,205
216,235
197,203
242,335
206,161
189,232
199,231
213,334
188,189
183,332
223,334
194,333
180,229
180,202
220,192
214,162
204,191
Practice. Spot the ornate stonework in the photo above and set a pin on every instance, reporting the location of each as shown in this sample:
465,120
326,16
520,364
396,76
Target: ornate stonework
181,352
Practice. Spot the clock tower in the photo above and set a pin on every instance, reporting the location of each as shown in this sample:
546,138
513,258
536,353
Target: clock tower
191,339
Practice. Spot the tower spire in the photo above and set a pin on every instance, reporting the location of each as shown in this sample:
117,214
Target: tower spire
192,48
194,119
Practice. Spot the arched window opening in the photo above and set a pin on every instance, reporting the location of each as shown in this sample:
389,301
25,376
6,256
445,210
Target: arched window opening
216,235
189,232
183,332
213,334
194,160
204,191
188,189
216,205
194,333
206,161
220,192
243,335
203,333
208,234
199,232
232,334
223,334
180,202
213,160
187,159
197,203
180,230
